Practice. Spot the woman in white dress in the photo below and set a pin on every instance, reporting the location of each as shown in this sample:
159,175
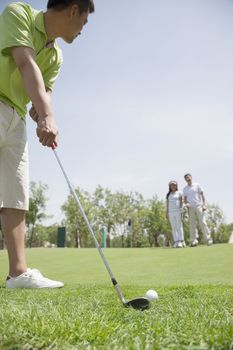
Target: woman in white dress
174,208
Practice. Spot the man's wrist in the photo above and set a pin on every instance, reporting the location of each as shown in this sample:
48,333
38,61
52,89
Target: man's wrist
44,117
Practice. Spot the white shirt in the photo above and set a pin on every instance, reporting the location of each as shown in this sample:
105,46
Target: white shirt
193,194
174,201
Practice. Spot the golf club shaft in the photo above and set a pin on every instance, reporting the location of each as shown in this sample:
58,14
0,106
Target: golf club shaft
114,282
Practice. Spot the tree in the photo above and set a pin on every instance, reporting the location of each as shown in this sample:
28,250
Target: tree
116,210
156,221
214,218
106,208
45,234
125,207
74,220
103,201
37,206
223,233
138,236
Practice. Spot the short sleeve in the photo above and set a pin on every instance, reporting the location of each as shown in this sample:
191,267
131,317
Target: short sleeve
15,27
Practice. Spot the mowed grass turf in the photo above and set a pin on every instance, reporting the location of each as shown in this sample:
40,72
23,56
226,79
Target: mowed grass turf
194,310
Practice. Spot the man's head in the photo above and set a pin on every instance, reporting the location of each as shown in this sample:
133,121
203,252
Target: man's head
84,5
188,178
73,15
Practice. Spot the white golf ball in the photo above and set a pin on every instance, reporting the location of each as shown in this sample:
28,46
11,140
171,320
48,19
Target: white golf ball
151,295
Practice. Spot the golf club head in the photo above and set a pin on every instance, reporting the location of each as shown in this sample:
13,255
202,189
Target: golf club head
138,303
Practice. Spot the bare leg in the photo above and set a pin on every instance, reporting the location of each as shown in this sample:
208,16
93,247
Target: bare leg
13,228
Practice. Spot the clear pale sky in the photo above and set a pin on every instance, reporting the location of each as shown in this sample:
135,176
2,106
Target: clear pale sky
144,96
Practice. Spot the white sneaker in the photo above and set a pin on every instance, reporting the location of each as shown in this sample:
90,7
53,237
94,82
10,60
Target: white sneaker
179,244
209,241
31,279
194,243
175,245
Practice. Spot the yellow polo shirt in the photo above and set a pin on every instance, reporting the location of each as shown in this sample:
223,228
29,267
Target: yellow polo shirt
21,25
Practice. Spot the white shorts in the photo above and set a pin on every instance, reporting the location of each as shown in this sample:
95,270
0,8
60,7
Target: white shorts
14,180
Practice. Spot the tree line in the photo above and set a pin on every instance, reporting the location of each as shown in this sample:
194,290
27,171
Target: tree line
130,219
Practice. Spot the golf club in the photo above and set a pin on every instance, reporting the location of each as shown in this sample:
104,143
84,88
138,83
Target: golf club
140,303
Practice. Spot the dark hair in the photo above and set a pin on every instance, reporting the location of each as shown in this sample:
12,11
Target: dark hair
170,189
84,5
188,174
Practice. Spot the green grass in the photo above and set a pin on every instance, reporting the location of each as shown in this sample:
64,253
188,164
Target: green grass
194,310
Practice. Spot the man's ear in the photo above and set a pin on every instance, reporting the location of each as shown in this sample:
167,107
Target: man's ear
74,10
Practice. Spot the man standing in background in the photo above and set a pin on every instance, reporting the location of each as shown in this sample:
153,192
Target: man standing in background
194,200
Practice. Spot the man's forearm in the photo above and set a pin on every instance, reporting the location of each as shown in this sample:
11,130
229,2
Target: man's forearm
32,78
25,60
33,113
203,198
35,88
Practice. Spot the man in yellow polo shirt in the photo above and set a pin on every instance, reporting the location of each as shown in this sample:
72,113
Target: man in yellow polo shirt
30,61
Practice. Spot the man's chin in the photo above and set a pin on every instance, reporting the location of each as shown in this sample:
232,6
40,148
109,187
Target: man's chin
68,40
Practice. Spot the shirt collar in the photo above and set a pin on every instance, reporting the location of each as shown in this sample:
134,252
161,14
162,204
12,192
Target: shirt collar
39,23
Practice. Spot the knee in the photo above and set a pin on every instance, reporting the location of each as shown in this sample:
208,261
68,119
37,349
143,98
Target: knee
12,213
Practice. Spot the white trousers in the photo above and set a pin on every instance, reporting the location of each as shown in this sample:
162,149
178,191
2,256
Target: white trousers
197,214
176,225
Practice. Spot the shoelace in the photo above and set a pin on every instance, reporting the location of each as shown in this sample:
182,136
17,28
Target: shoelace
33,273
